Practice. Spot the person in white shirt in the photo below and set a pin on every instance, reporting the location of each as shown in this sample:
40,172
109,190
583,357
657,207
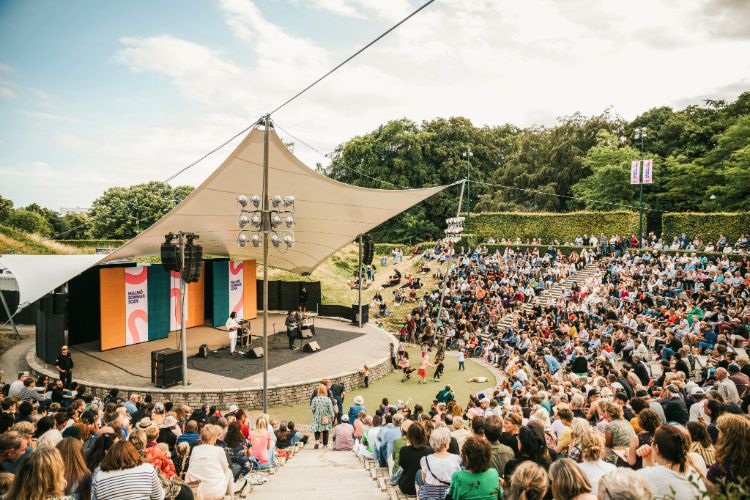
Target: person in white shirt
697,408
15,387
208,463
232,327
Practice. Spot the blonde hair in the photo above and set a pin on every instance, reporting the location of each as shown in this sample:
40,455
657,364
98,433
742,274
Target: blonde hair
529,482
592,446
164,448
23,428
40,475
322,390
183,449
623,484
138,439
579,426
49,439
261,426
614,411
6,479
543,417
568,480
152,432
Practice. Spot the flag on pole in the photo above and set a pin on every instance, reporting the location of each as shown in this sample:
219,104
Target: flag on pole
635,172
648,171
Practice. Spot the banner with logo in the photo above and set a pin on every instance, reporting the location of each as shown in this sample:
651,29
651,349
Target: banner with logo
136,305
635,172
236,295
174,316
648,171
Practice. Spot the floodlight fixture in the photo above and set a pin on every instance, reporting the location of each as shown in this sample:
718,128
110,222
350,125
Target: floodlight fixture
242,200
275,241
255,240
256,201
289,222
713,197
276,201
242,221
275,221
242,240
289,201
289,241
255,221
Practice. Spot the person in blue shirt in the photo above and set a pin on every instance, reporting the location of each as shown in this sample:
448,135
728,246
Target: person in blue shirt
387,435
553,366
191,433
356,408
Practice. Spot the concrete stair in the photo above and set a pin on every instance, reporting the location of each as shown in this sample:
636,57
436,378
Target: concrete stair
322,474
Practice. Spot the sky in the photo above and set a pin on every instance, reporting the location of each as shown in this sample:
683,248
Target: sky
101,94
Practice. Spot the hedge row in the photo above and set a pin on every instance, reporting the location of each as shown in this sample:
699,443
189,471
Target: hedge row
93,243
707,227
553,226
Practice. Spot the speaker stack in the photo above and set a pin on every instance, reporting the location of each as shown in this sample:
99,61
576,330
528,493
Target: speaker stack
166,367
368,249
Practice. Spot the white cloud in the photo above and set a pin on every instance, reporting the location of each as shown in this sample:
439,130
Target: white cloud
48,116
73,141
7,93
5,67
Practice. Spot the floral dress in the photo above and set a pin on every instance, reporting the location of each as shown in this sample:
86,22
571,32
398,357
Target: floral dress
321,407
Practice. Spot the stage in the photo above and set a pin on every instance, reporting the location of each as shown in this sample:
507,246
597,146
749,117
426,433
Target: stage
345,349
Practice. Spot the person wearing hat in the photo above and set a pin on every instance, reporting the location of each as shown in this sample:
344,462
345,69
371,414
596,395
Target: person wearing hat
343,435
696,409
356,408
166,434
232,411
64,364
144,423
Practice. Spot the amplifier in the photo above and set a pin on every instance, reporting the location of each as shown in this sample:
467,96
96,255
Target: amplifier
166,367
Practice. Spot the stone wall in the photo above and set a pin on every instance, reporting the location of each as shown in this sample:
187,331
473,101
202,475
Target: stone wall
249,397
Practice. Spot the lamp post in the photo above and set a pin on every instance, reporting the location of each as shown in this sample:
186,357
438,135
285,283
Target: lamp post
453,232
468,154
267,216
640,133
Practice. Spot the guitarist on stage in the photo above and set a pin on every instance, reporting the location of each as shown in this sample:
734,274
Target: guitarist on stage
291,329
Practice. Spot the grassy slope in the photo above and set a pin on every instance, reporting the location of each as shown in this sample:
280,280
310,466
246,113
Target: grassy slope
12,241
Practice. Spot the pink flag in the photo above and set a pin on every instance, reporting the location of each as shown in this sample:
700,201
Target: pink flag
648,171
635,172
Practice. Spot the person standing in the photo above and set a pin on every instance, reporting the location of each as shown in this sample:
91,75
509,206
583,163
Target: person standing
322,421
291,329
303,299
232,327
64,364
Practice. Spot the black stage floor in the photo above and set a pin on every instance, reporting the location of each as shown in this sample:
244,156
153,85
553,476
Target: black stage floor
220,362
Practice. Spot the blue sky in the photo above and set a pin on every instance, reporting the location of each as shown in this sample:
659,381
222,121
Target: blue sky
100,94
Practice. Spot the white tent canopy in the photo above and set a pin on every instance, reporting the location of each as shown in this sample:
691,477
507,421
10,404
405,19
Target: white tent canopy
328,216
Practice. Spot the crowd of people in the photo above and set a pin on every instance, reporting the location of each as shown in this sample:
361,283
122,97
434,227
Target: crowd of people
633,377
61,443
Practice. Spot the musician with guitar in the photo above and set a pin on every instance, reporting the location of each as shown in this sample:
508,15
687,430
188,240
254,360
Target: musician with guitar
291,329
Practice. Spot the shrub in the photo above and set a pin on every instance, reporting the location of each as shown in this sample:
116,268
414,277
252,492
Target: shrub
551,226
707,227
28,222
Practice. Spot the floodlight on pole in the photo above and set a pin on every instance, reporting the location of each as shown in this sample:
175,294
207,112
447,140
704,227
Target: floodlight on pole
712,197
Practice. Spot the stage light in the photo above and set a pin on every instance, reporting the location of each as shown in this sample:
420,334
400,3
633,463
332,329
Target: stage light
255,240
275,221
242,221
255,221
256,201
276,241
242,240
289,201
242,200
289,222
276,201
289,241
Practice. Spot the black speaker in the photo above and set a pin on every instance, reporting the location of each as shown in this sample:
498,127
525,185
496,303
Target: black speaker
255,353
166,367
203,351
311,347
368,249
170,257
193,263
365,313
305,334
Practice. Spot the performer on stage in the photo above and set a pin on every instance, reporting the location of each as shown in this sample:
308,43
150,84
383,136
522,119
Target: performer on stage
291,329
232,327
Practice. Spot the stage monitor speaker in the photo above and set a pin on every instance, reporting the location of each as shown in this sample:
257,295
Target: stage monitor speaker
311,347
166,367
255,353
306,334
203,351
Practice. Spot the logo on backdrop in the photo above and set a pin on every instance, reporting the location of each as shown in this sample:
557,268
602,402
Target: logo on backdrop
174,301
236,295
136,305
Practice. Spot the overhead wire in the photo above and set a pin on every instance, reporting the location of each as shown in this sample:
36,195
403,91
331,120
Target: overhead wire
353,56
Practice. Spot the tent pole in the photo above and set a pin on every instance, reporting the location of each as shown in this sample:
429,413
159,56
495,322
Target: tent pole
266,235
361,281
10,316
183,334
447,266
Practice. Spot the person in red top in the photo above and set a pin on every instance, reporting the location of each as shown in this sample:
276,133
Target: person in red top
242,419
411,327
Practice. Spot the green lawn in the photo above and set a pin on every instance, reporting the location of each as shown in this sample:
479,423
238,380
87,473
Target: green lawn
391,387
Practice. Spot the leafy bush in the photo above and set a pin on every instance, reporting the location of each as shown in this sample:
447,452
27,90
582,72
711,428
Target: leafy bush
28,222
93,243
707,227
551,226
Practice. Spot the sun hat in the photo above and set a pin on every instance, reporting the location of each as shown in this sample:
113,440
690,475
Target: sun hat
233,408
344,418
696,390
144,424
169,422
359,400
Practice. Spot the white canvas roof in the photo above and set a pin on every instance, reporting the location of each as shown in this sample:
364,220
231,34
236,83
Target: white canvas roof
328,216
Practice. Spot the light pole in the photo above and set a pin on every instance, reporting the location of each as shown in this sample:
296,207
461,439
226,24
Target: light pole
267,216
468,154
453,232
640,133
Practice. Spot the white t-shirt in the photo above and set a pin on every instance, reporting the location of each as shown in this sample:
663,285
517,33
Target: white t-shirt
594,470
559,427
666,482
481,379
440,469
